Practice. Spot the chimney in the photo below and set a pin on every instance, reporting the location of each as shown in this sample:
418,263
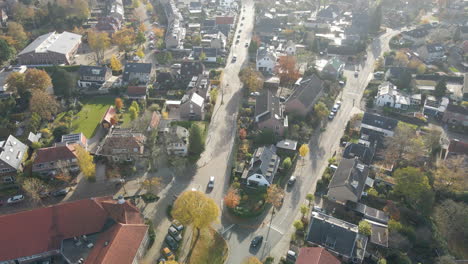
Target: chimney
121,200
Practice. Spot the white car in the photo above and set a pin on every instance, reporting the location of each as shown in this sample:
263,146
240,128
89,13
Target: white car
15,199
211,182
335,108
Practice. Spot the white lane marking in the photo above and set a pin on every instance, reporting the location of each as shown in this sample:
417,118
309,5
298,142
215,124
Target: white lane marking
227,229
276,229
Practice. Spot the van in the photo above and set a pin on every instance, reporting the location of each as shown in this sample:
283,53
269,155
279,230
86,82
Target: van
333,167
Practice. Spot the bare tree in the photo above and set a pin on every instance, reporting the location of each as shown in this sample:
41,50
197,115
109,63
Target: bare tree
33,187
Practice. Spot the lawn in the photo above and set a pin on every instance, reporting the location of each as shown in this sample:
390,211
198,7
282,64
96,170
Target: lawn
88,119
211,248
453,69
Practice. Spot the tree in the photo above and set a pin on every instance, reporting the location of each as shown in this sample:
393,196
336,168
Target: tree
197,142
85,162
365,228
196,209
140,53
449,218
118,103
265,137
287,70
124,39
310,198
298,225
405,145
440,89
252,260
149,7
413,185
133,112
33,187
287,163
135,4
376,19
151,183
140,38
202,56
274,195
115,64
232,198
447,259
242,133
59,131
304,210
382,261
450,175
64,82
6,51
98,42
15,82
196,41
457,34
401,59
16,31
303,150
165,115
43,104
159,32
252,79
321,110
37,79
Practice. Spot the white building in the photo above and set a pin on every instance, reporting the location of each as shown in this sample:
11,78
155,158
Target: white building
266,60
390,96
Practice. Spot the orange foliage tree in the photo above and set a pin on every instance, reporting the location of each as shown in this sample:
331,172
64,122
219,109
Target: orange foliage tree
287,70
242,133
118,103
232,198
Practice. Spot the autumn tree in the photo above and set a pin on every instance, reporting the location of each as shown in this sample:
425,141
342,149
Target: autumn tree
413,185
320,110
303,150
115,64
310,198
196,209
98,42
118,103
37,79
304,210
151,183
149,7
16,31
405,145
140,53
401,59
450,175
6,51
15,82
85,162
43,104
298,225
124,39
252,79
232,198
140,38
251,260
450,218
274,195
158,32
33,187
287,70
365,228
242,133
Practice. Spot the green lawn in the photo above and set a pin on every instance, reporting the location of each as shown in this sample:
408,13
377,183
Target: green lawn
453,69
87,120
211,248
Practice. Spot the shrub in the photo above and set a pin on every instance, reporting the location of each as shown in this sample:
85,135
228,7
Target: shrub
149,197
298,225
365,228
151,233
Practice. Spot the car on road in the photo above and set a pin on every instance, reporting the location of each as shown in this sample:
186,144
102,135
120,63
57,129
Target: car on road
356,73
339,103
44,194
241,24
170,241
292,180
342,83
331,116
246,45
167,253
211,182
291,255
176,66
254,93
61,192
243,18
234,58
335,108
175,234
177,225
237,41
238,36
15,199
256,241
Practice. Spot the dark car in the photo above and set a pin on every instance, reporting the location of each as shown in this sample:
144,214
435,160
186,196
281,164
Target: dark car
256,241
170,241
61,192
177,225
175,233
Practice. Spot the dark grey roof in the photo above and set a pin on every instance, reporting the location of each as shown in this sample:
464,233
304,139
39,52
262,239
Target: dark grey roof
336,235
265,162
267,105
209,52
364,153
133,67
208,23
368,212
431,48
307,90
96,71
12,152
191,68
267,25
416,33
351,174
457,109
379,121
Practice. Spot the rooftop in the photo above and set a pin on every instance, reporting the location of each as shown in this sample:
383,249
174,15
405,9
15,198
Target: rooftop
62,43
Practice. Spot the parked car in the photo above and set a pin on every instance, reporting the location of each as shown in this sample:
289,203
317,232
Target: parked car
254,94
74,169
291,255
176,66
243,18
333,167
342,83
338,103
356,73
177,225
234,58
175,233
167,253
335,108
256,241
331,116
170,241
61,192
44,194
246,45
211,182
15,199
292,180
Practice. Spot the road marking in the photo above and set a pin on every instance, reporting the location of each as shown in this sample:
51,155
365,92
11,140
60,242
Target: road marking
276,229
227,229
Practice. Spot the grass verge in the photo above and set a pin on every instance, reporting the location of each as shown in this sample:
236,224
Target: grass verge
211,248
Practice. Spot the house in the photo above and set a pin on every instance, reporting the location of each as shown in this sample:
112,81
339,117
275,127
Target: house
287,145
337,236
431,53
137,73
348,181
108,24
381,125
177,141
290,48
76,138
263,167
224,20
315,255
272,83
32,138
12,154
456,115
95,230
330,69
306,93
175,35
368,212
122,145
191,68
363,152
192,107
137,92
425,86
266,60
226,3
215,40
211,54
452,148
93,76
51,49
116,9
389,96
109,118
435,107
379,233
60,156
417,36
201,85
269,113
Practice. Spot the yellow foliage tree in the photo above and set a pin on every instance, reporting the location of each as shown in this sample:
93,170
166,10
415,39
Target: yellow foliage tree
158,32
140,53
124,39
149,7
86,163
151,183
252,260
275,195
303,150
98,42
115,64
165,115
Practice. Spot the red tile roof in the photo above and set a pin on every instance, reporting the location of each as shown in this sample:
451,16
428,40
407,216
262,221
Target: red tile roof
225,20
316,255
136,90
110,113
155,119
123,213
458,147
55,153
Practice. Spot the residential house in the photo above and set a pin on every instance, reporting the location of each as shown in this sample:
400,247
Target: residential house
269,113
215,40
122,145
306,93
266,60
108,24
348,181
116,9
191,68
51,49
60,156
226,3
12,153
456,115
315,255
368,212
76,138
109,118
417,36
3,17
192,107
435,107
287,145
266,28
93,76
272,83
431,53
200,84
363,152
95,230
425,86
137,73
337,236
290,48
177,141
378,124
389,96
211,54
137,92
263,167
330,69
224,20
175,35
452,148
